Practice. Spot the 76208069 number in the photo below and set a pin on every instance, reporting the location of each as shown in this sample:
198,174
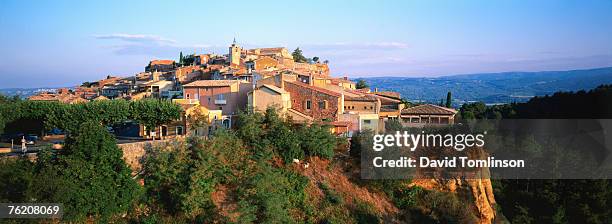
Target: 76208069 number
31,210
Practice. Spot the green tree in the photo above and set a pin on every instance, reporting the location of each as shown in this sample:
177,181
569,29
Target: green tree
298,56
250,127
449,101
393,125
275,193
180,178
17,176
90,178
316,140
154,112
181,59
362,84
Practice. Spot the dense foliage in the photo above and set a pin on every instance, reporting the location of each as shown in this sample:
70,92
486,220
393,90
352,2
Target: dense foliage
181,178
89,177
69,117
594,103
271,134
552,201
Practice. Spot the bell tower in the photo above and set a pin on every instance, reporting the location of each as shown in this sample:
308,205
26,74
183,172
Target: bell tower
234,53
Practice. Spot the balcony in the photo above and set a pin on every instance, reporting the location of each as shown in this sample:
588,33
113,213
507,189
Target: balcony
220,102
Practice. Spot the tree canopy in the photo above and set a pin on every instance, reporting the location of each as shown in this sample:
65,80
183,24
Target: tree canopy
362,84
69,117
298,56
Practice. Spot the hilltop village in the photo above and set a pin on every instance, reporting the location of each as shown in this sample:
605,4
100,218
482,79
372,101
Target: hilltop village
219,86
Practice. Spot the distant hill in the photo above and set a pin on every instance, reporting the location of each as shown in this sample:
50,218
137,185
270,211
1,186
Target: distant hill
493,88
25,92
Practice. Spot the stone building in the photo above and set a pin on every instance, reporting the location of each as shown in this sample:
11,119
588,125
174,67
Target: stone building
319,103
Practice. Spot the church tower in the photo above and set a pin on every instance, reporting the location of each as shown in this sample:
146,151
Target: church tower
234,53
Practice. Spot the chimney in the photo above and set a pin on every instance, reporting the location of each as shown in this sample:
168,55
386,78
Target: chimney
345,77
375,90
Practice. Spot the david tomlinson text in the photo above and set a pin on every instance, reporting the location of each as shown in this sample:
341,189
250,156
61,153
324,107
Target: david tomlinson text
447,162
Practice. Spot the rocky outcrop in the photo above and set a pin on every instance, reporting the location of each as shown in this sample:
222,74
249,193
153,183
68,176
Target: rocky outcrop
477,188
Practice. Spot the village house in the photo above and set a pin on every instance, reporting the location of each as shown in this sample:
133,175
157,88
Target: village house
159,89
201,59
229,96
86,92
161,66
262,64
391,106
195,120
116,90
266,96
62,95
319,103
186,74
427,115
343,82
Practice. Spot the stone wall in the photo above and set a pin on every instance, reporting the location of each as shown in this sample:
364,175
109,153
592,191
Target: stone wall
134,152
300,93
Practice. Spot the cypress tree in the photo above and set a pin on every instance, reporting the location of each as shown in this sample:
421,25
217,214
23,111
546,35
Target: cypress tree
181,59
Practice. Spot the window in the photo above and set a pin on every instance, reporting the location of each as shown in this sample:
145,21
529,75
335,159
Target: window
307,105
179,130
220,108
322,104
371,107
365,107
188,95
221,97
367,121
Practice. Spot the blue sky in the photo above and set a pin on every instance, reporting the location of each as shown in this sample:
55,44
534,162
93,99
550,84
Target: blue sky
63,43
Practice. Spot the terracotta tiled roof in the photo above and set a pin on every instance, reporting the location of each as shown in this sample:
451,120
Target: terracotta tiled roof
211,83
64,98
389,94
367,98
386,99
162,62
271,50
318,89
429,109
366,90
340,80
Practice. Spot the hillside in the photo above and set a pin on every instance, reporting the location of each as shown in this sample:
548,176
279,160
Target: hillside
493,88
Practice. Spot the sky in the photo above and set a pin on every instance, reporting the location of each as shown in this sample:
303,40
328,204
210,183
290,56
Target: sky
64,43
